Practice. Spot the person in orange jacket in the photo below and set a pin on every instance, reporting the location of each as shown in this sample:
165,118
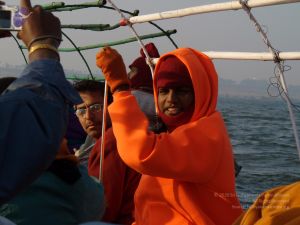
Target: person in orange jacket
188,171
120,180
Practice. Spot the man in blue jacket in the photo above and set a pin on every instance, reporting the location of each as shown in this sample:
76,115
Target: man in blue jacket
34,108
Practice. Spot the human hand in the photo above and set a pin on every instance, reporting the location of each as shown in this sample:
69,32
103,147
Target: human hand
41,32
113,68
39,23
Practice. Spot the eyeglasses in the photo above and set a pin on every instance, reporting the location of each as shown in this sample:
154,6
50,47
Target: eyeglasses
92,108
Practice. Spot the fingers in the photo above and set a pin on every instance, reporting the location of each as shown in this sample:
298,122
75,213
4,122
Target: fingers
107,49
40,23
19,35
25,12
102,52
25,4
108,53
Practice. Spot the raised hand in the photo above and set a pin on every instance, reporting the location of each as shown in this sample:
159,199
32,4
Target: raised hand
112,65
39,23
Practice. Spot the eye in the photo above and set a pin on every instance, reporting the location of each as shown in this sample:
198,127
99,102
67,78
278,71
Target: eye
96,107
80,112
163,91
184,91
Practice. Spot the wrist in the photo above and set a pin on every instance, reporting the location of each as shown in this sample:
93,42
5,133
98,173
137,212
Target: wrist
121,87
43,51
45,39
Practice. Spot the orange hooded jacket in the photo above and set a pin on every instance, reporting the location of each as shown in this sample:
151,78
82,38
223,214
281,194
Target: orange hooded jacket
188,174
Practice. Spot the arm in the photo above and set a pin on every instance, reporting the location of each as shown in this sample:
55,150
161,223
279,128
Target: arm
33,119
192,152
33,113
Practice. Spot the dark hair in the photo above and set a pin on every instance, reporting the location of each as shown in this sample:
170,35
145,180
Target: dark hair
5,82
92,86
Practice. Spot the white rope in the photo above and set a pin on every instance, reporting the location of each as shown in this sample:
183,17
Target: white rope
148,59
280,66
232,5
102,145
149,62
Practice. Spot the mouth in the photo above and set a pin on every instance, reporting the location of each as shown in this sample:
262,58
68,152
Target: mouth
172,111
90,127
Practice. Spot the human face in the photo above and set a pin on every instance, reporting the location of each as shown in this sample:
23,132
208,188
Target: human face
91,121
173,101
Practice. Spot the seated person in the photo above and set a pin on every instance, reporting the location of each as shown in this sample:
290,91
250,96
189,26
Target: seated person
187,171
119,180
63,194
34,108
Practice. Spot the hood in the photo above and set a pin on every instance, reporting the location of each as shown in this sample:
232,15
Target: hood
204,78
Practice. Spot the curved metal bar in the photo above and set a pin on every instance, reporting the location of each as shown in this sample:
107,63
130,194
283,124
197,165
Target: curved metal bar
61,6
168,35
21,48
78,50
135,13
92,27
74,77
124,41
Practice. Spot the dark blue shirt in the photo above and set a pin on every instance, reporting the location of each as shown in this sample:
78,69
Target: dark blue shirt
33,120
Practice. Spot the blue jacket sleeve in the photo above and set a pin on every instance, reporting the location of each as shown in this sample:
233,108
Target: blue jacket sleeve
33,120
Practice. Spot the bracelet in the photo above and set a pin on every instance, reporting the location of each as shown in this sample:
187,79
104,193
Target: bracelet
41,46
42,38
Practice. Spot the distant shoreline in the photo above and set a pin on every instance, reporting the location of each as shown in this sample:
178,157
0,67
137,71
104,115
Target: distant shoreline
248,88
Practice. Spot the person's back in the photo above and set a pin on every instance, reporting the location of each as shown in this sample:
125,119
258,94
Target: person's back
64,194
188,172
33,114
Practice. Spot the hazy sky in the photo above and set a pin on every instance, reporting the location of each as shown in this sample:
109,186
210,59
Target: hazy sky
220,31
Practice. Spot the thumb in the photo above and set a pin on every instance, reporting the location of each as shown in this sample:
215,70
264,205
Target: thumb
25,4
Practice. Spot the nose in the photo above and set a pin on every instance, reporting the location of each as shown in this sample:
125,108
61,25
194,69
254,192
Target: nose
172,96
88,115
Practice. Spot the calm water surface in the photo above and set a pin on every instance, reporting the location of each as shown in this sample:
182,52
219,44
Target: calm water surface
263,144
